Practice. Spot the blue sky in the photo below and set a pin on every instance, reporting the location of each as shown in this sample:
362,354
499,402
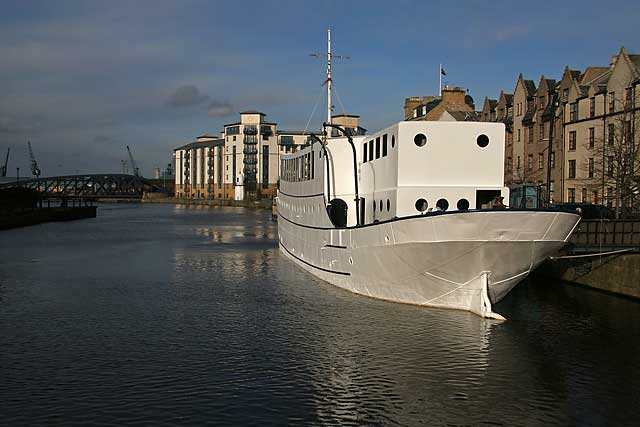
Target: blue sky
82,79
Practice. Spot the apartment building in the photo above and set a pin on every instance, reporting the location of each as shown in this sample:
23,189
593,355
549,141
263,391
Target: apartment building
243,162
601,116
501,111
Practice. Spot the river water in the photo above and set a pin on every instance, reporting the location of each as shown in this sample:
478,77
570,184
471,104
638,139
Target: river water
173,315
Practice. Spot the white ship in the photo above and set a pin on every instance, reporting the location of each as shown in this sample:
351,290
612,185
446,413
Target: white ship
408,214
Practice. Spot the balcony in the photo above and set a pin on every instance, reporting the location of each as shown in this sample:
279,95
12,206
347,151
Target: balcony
266,130
250,130
250,150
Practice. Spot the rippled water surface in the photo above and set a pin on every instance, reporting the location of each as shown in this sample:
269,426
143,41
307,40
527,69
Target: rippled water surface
165,315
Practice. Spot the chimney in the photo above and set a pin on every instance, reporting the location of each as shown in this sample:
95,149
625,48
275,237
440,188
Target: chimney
454,96
409,105
346,120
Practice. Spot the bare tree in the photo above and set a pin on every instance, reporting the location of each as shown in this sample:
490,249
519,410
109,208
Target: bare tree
615,161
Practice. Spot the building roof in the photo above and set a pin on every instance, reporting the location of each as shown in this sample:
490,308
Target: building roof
199,144
293,132
465,116
508,98
591,73
345,115
253,112
530,86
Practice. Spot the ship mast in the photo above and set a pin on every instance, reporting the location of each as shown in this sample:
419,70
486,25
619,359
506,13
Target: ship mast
329,76
329,81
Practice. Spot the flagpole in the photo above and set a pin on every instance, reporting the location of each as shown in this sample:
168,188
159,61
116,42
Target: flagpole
440,83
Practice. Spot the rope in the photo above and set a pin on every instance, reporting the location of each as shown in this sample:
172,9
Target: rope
588,255
312,113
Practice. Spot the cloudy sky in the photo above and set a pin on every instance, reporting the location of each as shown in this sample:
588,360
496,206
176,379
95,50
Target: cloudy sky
82,80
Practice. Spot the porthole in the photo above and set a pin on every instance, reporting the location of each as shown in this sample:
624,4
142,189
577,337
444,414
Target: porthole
442,204
463,205
380,205
421,205
420,140
388,205
482,140
393,141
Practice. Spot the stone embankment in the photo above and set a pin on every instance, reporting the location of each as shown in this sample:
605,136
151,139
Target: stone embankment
256,204
604,255
25,218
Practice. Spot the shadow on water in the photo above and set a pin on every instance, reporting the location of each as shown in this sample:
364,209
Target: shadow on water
189,315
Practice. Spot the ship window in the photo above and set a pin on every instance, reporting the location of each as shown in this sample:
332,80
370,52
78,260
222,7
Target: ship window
420,139
364,153
388,205
442,204
377,147
384,145
421,205
483,141
380,205
374,205
463,205
370,150
393,141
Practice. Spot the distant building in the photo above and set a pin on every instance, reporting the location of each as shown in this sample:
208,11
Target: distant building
243,161
454,105
501,111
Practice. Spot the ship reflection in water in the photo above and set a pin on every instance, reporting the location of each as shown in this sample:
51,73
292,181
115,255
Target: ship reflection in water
173,315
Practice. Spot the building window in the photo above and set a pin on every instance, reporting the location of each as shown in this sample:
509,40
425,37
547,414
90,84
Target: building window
530,130
573,115
233,162
552,162
540,161
584,196
592,107
530,162
610,166
572,140
572,168
592,137
265,166
609,197
541,131
518,135
594,194
572,195
611,134
628,96
591,167
627,131
541,103
519,166
612,102
509,164
384,145
565,94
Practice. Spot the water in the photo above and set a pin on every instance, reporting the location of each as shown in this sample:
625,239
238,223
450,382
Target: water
167,315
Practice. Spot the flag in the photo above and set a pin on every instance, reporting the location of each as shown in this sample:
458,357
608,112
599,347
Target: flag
442,71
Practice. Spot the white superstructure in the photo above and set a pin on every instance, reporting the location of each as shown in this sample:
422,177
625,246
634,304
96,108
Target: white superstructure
414,214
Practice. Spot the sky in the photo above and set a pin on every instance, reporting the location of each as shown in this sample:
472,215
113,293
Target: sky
82,80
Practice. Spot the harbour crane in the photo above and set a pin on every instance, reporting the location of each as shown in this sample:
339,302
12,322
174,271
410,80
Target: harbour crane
35,170
3,169
134,166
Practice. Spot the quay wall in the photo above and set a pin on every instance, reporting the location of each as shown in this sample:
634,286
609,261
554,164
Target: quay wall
617,273
25,218
256,204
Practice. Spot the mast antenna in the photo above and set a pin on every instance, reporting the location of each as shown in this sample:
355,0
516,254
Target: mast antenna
329,56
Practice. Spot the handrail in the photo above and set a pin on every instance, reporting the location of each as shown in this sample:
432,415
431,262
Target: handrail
355,166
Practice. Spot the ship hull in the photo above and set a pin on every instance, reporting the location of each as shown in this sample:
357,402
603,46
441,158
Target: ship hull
459,260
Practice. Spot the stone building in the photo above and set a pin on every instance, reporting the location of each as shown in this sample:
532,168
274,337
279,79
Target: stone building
454,105
501,111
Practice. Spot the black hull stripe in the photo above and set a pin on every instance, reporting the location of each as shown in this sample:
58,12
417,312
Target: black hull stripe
311,265
335,246
387,221
303,196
